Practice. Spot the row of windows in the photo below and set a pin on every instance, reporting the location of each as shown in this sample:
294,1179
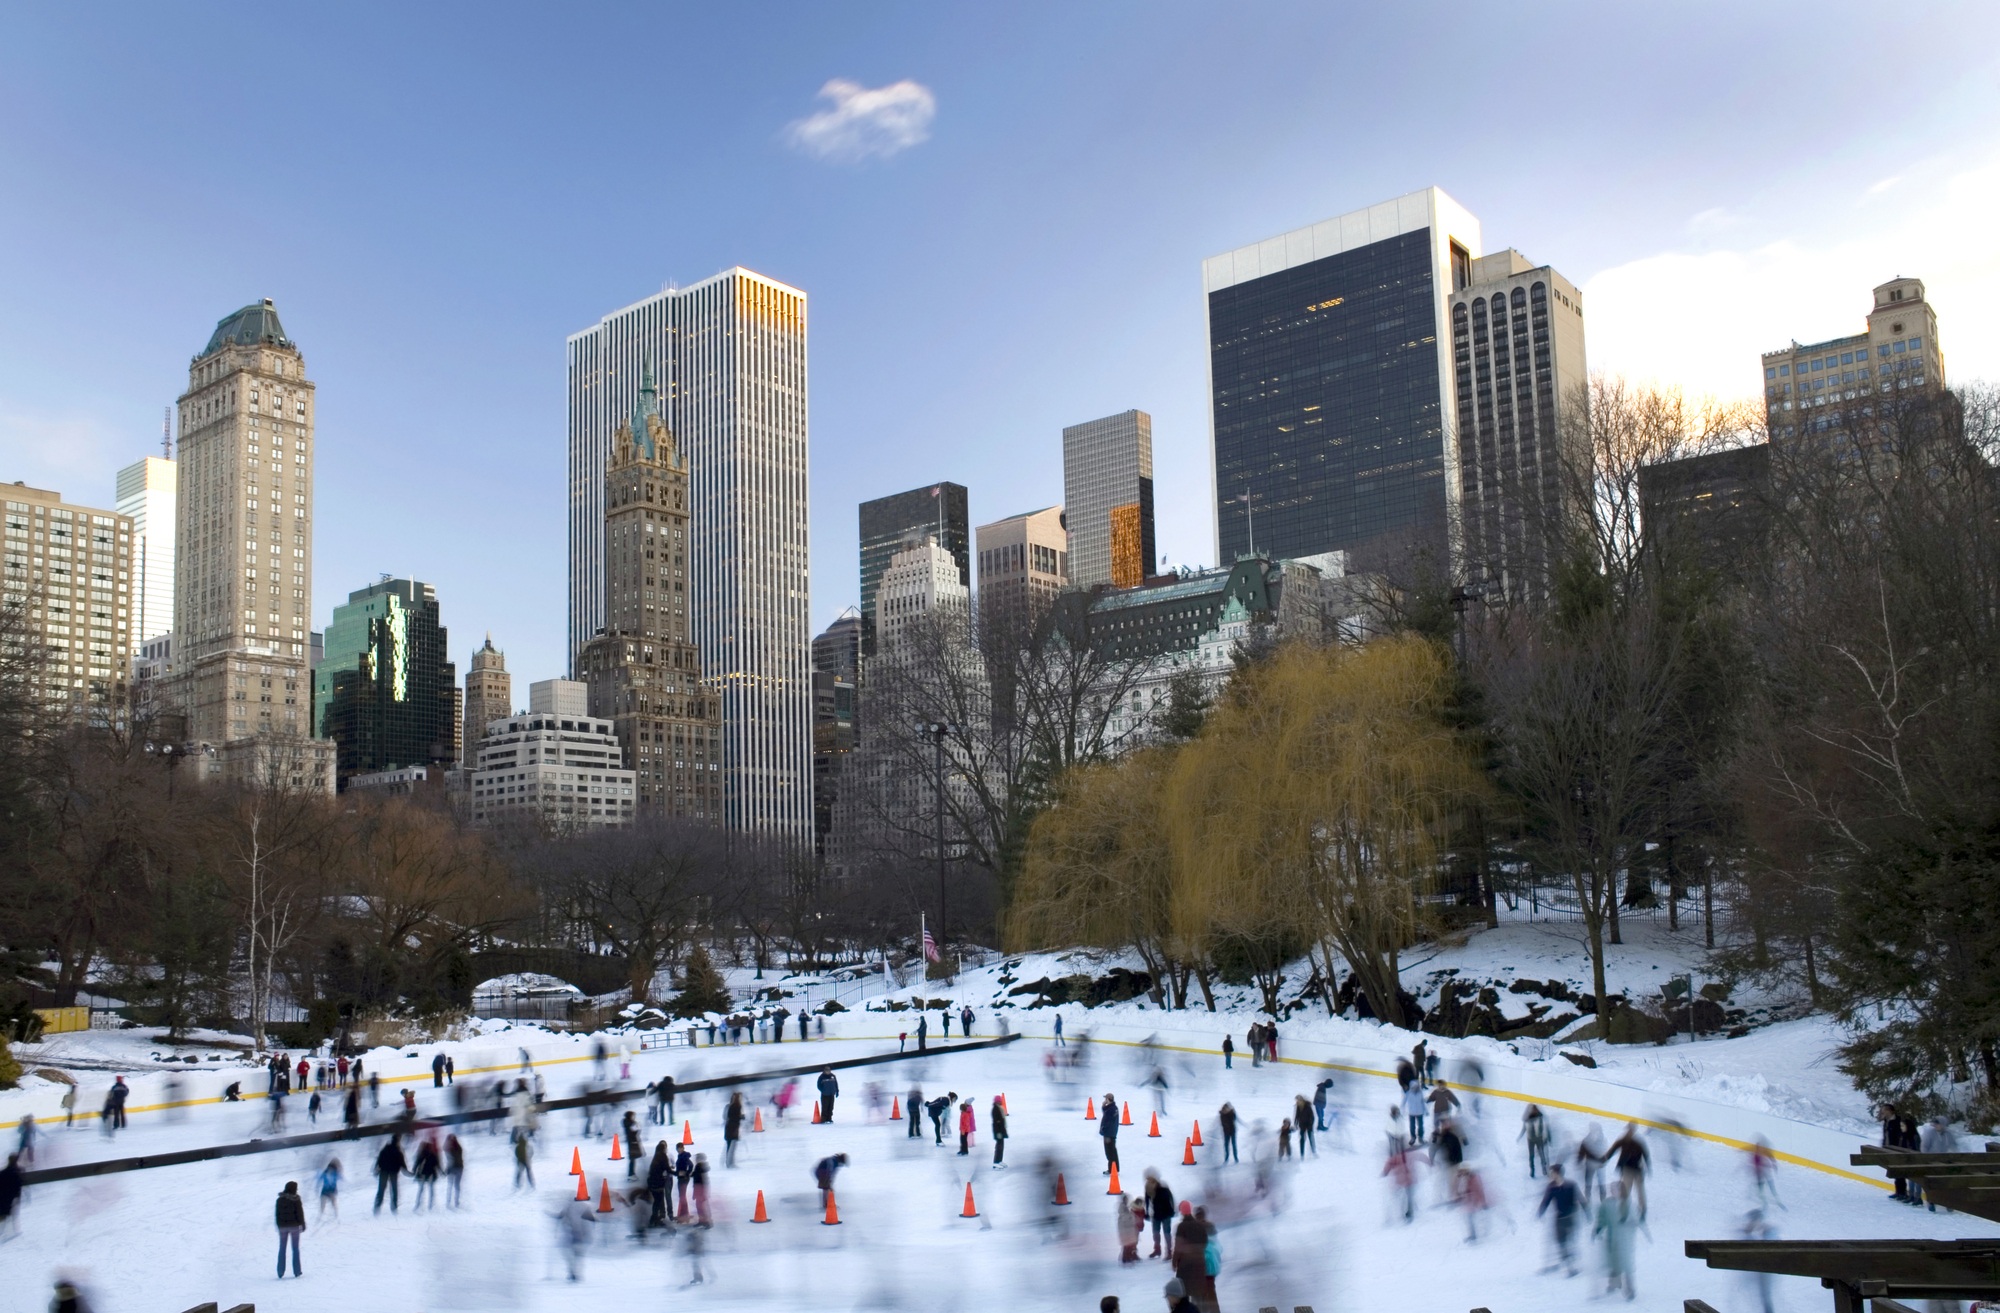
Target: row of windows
1832,361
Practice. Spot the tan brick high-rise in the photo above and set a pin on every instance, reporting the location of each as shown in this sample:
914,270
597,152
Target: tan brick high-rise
489,692
644,671
243,545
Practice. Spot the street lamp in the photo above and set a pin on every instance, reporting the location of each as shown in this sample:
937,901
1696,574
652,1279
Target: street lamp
937,731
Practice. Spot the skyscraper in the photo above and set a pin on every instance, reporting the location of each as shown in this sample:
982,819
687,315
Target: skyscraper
729,354
1518,372
1023,564
1331,372
69,570
243,544
146,491
384,692
1838,384
489,693
891,524
836,664
643,670
1108,500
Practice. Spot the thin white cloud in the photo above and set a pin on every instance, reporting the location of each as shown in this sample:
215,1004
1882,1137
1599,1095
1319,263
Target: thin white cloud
860,122
1885,184
1700,319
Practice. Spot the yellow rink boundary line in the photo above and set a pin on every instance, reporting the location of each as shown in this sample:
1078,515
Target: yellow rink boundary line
1672,1128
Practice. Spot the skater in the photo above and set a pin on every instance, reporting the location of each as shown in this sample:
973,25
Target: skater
1420,1061
946,1020
1059,1036
454,1168
1319,1103
684,1179
966,1125
1562,1200
634,1147
329,1188
280,1093
913,1104
114,1106
1633,1160
24,1140
1755,1227
802,1025
1899,1131
1303,1119
374,1089
1226,1118
663,1097
1413,1110
1615,1224
1107,1128
1937,1138
1157,1082
437,1072
389,1168
1591,1155
291,1211
1159,1207
824,1172
1442,1101
699,1180
732,1129
69,1104
573,1223
350,1108
1535,1130
1177,1297
428,1167
1271,1040
965,1021
1228,1053
305,1073
996,1119
923,1033
10,1196
829,1089
1764,1172
1470,1193
659,1183
697,1246
312,1109
1131,1221
524,1167
937,1108
1285,1140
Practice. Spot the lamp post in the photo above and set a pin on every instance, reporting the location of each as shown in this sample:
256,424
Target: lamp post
937,729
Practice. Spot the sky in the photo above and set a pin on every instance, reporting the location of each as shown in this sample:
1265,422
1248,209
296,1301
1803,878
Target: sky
998,214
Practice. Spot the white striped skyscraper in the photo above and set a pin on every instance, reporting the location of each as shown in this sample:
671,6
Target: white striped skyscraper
730,357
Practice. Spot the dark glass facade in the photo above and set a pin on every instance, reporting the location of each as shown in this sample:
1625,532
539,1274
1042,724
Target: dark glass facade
886,526
1327,411
384,693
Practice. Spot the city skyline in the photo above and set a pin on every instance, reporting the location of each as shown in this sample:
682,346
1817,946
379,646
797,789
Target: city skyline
1792,234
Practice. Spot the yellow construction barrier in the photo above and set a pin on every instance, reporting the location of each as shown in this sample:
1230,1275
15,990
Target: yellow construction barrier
61,1021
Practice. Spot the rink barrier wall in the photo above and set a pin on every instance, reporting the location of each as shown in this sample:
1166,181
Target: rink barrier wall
398,1125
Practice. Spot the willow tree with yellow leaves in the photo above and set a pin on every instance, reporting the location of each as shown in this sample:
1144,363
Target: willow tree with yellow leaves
1098,872
1315,805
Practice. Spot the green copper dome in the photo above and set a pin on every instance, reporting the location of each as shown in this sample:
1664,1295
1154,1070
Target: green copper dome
247,327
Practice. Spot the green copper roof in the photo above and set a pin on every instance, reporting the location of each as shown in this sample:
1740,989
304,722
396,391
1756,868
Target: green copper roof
647,405
247,327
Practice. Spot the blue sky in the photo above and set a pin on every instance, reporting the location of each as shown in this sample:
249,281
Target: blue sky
436,196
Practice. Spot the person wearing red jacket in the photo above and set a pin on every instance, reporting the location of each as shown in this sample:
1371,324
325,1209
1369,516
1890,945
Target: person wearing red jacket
966,1125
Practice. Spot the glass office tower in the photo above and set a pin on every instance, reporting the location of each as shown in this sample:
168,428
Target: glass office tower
384,691
1329,374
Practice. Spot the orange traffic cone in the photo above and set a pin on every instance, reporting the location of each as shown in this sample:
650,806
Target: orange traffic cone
1114,1188
604,1197
582,1190
687,1132
617,1156
760,1215
1154,1134
1062,1195
1195,1139
896,1108
1187,1157
1090,1110
832,1213
576,1162
757,1122
1126,1119
815,1114
969,1210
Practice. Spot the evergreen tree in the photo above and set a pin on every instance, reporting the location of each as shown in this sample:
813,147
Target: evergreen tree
702,987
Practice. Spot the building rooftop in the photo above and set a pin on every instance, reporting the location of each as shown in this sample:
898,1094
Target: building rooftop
254,323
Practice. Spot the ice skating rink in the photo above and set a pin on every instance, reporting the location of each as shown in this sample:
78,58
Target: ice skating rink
1322,1231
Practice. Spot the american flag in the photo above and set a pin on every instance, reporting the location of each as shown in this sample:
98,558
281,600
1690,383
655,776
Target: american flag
930,948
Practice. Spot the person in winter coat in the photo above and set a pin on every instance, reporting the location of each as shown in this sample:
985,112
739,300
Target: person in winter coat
923,1033
684,1175
996,1122
1131,1221
1160,1210
389,1168
965,1022
699,1180
967,1124
659,1182
1226,1118
437,1072
1303,1119
829,1089
429,1166
1107,1129
1562,1200
1319,1104
937,1108
524,1165
1190,1248
329,1188
663,1095
732,1128
10,1195
1443,1103
454,1169
634,1147
1535,1130
1614,1226
1899,1131
824,1171
114,1106
1413,1109
1228,1053
1177,1298
1630,1151
913,1103
291,1225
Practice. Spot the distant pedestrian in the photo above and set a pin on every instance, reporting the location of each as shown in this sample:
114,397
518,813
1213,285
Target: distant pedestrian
1303,1119
524,1159
683,1178
966,1125
965,1021
428,1167
1633,1160
663,1094
454,1170
1228,1053
69,1104
374,1090
1413,1110
389,1168
312,1108
24,1139
291,1215
1616,1220
945,1017
1226,1118
923,1032
350,1108
1535,1130
1107,1130
698,1180
437,1072
1059,1035
114,1106
829,1089
659,1183
1764,1172
1443,1103
1159,1208
996,1122
1562,1201
1319,1102
634,1146
1420,1060
329,1188
732,1128
913,1104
